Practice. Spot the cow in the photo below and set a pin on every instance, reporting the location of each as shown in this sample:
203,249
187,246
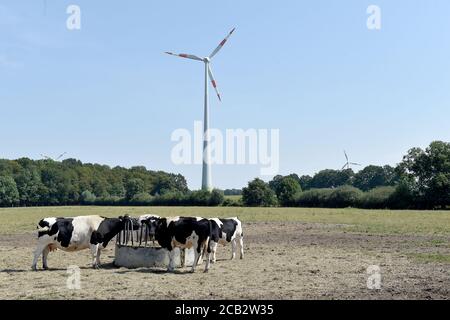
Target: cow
78,233
224,231
182,232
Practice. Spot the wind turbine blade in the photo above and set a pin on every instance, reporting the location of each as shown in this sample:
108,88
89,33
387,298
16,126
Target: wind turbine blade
221,44
214,83
345,165
346,157
185,55
356,164
61,155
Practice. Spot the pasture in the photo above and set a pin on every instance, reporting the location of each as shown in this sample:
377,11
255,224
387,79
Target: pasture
290,253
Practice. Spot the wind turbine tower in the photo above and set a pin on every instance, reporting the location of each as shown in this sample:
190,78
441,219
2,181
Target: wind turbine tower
206,168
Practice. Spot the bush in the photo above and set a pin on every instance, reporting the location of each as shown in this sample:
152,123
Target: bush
313,198
232,203
216,198
403,197
258,194
88,197
141,199
377,198
345,196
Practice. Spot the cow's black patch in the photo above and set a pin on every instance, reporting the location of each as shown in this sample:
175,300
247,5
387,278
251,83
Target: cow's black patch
109,228
228,227
63,227
181,230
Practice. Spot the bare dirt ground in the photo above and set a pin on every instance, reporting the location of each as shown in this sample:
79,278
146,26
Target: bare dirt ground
282,261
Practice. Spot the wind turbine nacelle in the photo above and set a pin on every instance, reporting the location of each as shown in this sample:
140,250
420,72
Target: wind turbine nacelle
206,60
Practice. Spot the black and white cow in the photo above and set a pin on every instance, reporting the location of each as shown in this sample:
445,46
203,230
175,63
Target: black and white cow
78,233
181,232
224,231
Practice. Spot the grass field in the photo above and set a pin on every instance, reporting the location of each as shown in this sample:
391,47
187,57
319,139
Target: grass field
290,253
18,220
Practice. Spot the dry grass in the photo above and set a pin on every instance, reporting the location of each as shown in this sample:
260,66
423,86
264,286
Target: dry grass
290,254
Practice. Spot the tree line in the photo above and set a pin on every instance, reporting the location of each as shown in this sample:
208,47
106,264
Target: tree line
421,180
26,182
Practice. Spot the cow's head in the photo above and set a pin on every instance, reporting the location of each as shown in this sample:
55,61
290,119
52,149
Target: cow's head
151,222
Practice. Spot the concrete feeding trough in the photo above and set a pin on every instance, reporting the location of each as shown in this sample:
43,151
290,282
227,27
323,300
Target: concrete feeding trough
135,250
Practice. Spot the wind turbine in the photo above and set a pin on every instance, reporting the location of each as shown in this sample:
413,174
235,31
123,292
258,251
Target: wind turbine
206,169
348,163
50,158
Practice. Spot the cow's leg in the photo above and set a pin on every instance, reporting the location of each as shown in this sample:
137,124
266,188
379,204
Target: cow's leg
213,245
197,254
204,253
208,258
44,258
37,252
171,266
233,248
241,245
94,253
99,251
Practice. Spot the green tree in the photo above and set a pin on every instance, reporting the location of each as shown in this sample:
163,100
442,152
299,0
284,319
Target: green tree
329,178
258,193
305,182
430,169
9,195
285,188
375,176
216,198
134,187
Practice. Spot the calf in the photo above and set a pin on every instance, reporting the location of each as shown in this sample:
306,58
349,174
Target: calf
181,232
224,231
78,233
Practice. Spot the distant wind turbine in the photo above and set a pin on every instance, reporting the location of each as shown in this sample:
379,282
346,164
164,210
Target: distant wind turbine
50,158
206,169
348,163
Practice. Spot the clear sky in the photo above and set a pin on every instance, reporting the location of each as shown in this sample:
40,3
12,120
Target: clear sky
108,94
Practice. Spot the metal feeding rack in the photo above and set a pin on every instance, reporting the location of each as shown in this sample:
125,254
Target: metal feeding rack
134,237
135,249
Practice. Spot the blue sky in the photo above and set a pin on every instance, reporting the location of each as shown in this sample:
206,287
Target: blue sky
108,94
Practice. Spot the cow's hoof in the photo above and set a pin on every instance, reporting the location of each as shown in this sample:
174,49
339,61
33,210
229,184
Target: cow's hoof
34,268
45,267
192,271
96,266
170,270
206,271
